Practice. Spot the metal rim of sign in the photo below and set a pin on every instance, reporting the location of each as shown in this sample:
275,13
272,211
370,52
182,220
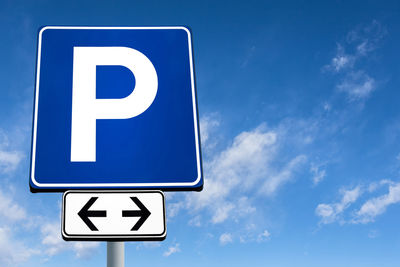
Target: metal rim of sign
102,237
59,187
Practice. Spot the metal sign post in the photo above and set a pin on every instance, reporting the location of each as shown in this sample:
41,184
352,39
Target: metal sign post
115,254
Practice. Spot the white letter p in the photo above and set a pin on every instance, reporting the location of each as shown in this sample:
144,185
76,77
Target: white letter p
86,109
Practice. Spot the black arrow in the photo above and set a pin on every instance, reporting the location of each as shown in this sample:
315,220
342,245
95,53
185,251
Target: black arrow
85,213
143,213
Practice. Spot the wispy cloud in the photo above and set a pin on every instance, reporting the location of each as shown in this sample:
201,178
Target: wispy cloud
361,42
148,245
253,165
357,84
13,251
174,208
330,213
377,205
373,234
195,221
249,54
9,158
272,184
244,166
10,210
366,212
172,250
252,233
236,168
366,39
225,238
341,60
53,243
318,173
208,125
264,236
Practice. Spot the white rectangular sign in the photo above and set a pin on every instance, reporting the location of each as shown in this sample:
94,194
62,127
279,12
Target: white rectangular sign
113,215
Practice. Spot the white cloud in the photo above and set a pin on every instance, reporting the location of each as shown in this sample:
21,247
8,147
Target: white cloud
174,208
9,160
373,234
244,206
367,39
13,252
208,125
364,48
318,173
378,205
253,233
222,212
327,106
248,56
85,249
51,239
330,213
237,168
358,85
4,140
365,213
246,169
356,82
149,244
10,210
172,250
245,161
376,185
54,244
195,221
341,60
273,182
264,236
225,239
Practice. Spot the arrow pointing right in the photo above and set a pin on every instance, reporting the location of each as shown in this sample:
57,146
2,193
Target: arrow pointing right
143,213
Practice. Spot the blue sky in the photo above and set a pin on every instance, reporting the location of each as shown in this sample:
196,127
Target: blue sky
300,130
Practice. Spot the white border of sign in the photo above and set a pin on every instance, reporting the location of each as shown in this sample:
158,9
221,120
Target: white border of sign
122,185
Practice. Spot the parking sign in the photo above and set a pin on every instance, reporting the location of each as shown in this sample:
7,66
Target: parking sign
115,107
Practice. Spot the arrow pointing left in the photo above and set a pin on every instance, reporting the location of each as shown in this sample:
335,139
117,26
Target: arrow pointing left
85,213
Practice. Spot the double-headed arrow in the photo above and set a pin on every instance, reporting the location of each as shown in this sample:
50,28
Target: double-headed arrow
85,213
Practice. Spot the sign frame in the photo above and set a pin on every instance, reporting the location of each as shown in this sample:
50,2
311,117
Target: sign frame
195,185
120,237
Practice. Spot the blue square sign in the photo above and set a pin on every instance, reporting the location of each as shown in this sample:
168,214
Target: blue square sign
115,107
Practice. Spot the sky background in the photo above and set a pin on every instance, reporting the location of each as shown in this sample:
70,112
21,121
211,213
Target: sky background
300,129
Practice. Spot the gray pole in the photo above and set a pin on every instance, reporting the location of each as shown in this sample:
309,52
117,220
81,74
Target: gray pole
115,254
